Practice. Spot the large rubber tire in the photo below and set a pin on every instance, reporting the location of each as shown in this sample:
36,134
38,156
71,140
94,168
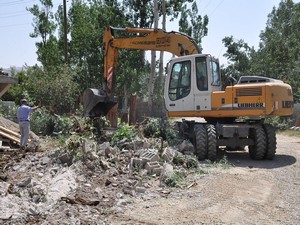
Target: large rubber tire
258,150
211,142
200,140
271,141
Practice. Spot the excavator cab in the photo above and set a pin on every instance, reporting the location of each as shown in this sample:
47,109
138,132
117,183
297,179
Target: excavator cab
189,83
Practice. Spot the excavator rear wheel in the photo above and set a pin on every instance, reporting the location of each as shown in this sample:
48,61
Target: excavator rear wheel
211,142
271,141
258,149
200,141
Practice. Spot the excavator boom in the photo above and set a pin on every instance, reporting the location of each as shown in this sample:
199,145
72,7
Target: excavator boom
101,102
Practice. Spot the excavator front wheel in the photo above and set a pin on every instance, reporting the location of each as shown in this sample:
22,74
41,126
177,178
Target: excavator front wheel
200,141
211,142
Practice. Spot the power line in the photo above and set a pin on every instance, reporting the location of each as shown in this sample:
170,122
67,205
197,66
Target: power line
15,15
14,25
16,12
212,12
20,2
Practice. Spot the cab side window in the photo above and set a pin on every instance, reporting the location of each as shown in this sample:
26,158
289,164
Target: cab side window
215,74
180,80
201,74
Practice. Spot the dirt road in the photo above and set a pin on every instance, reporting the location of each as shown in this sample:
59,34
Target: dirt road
251,192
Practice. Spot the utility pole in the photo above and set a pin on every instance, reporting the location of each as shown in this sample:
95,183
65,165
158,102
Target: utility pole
161,57
153,63
65,33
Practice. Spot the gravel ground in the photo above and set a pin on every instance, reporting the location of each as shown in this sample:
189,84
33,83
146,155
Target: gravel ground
251,192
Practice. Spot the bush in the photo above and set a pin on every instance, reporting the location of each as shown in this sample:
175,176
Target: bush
8,110
44,123
280,123
156,127
152,127
125,132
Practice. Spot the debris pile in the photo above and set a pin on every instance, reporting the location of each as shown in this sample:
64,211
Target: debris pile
87,181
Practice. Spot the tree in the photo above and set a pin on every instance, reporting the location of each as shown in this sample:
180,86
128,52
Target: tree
279,52
193,24
275,46
56,89
44,27
238,54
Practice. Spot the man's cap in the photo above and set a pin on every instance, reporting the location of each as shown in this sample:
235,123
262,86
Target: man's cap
24,100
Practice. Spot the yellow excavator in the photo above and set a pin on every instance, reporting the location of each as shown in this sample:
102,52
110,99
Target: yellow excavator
193,88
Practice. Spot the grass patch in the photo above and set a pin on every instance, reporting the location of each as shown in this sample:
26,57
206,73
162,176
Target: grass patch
173,181
223,163
293,133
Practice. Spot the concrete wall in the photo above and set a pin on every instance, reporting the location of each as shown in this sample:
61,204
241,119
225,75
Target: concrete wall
142,111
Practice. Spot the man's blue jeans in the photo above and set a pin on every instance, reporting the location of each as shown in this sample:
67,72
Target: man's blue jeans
24,131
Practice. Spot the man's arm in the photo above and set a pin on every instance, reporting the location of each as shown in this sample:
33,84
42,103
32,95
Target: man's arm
34,107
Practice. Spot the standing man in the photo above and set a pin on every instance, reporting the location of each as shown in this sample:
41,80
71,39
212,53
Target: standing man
23,115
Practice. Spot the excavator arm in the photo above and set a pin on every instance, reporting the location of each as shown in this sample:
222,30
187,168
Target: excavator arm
100,102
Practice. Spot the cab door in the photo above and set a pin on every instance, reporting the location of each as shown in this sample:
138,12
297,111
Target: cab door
178,86
202,93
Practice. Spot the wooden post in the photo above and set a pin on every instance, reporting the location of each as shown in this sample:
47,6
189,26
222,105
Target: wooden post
112,116
132,110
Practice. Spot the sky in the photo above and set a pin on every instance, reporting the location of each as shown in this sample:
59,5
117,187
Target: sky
242,19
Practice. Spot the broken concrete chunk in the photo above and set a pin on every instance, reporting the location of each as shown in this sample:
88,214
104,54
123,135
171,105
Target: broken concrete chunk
139,189
186,146
110,151
89,146
104,164
45,160
153,168
66,158
150,156
24,182
167,155
166,172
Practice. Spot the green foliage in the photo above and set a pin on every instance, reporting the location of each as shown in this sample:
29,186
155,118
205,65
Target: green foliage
188,162
223,163
293,133
54,89
172,134
125,132
7,110
18,91
44,123
193,24
177,160
44,27
173,181
156,127
239,55
280,123
152,127
192,162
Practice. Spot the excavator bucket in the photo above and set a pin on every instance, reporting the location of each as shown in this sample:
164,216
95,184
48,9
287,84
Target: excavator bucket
96,102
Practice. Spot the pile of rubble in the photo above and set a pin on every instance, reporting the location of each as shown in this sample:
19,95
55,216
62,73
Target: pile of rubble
89,182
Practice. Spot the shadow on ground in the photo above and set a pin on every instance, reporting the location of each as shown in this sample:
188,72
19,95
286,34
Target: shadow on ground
242,159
